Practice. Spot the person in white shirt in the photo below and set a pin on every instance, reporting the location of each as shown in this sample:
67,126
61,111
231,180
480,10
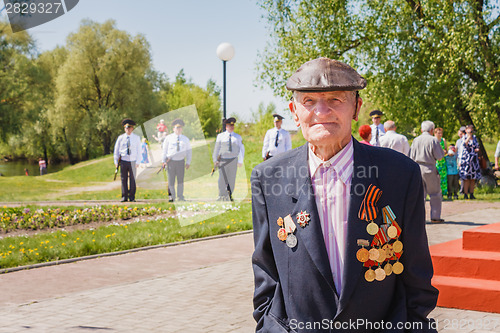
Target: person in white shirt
277,140
127,151
228,156
176,157
377,127
393,140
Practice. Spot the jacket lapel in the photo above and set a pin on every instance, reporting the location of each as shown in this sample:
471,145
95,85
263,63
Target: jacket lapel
310,236
364,174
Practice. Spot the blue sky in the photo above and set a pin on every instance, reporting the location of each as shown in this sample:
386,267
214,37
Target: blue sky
184,35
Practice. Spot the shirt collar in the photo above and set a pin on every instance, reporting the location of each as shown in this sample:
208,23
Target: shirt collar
342,162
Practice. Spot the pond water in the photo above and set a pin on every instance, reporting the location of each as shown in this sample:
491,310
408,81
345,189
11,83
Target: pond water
16,168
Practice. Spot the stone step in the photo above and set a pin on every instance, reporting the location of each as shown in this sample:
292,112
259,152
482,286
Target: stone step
468,293
484,238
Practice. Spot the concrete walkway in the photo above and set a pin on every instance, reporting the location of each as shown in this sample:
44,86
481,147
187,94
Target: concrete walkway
199,287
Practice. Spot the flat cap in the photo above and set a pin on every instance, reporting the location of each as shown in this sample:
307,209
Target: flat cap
178,121
325,74
230,121
277,117
128,122
376,113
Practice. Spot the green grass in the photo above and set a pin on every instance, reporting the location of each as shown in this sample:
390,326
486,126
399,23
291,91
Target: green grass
58,245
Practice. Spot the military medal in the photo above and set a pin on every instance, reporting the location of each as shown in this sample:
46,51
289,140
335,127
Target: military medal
392,231
291,241
280,221
303,218
373,254
382,256
282,235
372,228
363,254
369,275
397,268
397,246
289,224
388,269
379,274
389,251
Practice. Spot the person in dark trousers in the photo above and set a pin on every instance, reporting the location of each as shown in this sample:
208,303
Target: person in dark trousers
127,152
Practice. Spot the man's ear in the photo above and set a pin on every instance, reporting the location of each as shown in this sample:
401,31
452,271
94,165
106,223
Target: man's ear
291,105
359,102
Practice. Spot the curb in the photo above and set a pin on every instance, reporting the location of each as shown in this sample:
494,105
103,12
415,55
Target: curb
110,254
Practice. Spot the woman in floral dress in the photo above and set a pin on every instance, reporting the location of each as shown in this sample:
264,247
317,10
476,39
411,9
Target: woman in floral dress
470,170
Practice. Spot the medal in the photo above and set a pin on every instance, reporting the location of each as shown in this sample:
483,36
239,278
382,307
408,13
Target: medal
282,235
382,255
372,228
280,222
373,254
389,251
291,241
379,274
397,268
362,255
388,269
369,275
392,231
303,218
397,246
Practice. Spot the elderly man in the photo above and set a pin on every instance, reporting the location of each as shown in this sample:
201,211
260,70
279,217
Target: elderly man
426,150
127,151
393,140
378,130
277,140
176,157
330,220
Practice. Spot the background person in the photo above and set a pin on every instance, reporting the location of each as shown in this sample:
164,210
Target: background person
228,156
452,172
469,163
426,150
43,166
306,219
377,127
441,164
365,132
277,140
393,140
497,155
144,152
176,156
128,147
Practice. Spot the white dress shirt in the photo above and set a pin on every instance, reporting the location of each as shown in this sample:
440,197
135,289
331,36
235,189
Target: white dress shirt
381,132
395,141
331,181
222,147
270,145
176,148
128,147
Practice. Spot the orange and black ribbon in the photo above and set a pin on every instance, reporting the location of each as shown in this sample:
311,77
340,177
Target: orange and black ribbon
368,211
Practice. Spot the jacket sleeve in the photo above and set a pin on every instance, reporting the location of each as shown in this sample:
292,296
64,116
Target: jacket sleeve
421,296
264,266
265,144
216,149
116,152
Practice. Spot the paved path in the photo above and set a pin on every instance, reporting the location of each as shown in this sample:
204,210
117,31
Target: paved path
199,287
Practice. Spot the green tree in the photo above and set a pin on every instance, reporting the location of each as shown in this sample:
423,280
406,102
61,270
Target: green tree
104,79
424,59
207,101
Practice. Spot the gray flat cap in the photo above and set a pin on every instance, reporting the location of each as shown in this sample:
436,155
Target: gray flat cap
325,74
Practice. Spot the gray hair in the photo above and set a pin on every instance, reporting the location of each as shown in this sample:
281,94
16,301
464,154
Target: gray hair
389,125
427,126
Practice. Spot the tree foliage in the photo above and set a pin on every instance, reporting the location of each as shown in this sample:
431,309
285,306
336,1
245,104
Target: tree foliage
424,59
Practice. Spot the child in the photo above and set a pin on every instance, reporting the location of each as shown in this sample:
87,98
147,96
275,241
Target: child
451,166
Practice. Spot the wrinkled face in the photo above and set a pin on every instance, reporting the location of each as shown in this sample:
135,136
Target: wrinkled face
325,117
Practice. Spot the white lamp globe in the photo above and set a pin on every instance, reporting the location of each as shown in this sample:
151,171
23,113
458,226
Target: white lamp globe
225,51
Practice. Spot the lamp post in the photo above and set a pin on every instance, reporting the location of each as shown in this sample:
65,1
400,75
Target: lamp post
225,52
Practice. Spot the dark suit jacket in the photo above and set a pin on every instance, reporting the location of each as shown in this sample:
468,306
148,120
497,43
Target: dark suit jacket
294,287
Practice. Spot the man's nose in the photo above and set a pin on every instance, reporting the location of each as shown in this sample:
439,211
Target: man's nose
322,108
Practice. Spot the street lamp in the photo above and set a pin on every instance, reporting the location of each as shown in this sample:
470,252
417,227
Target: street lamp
225,52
